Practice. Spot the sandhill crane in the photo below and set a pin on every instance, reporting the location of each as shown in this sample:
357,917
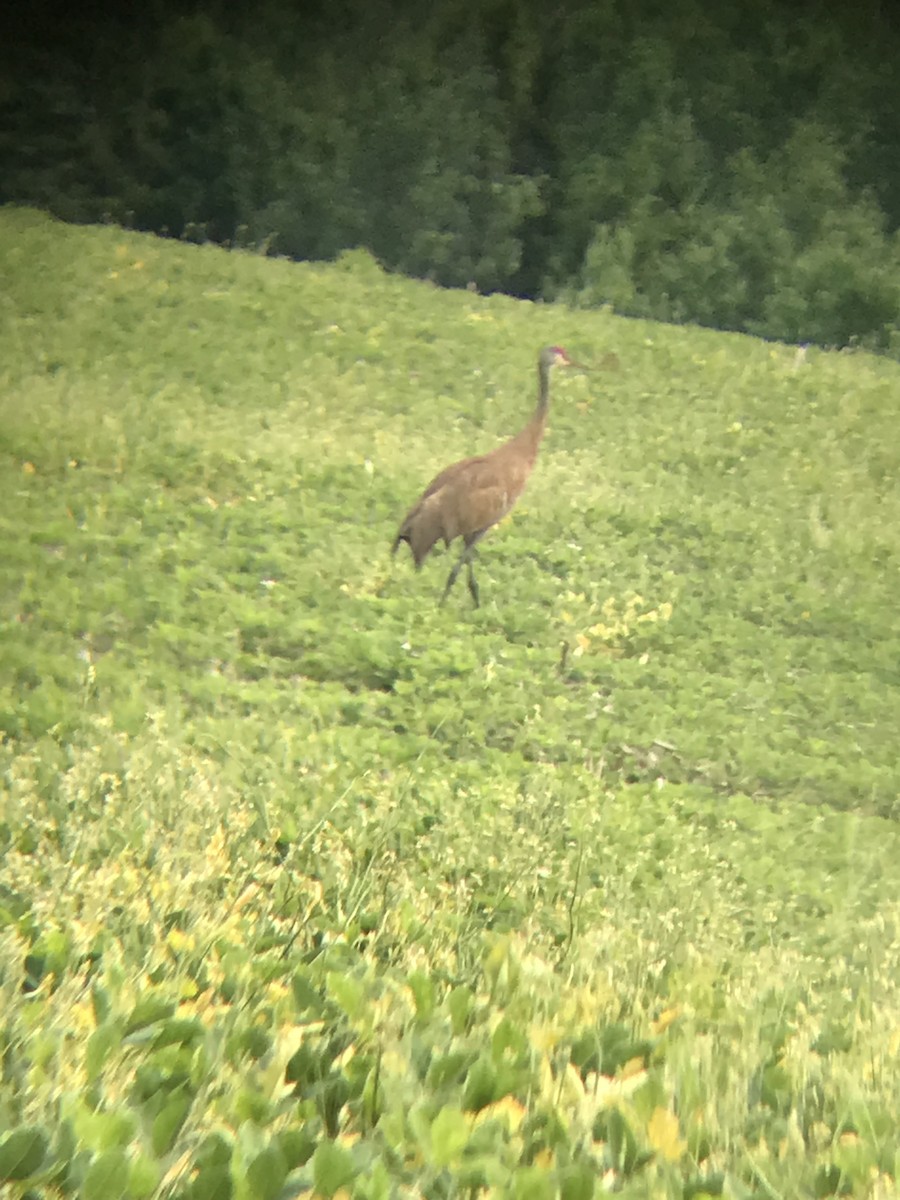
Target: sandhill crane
470,496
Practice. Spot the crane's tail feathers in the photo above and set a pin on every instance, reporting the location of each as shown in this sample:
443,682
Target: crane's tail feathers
408,535
424,525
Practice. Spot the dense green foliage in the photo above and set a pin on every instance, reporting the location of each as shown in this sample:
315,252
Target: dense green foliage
731,165
307,884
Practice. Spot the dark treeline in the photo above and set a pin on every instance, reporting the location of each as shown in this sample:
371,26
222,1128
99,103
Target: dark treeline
736,165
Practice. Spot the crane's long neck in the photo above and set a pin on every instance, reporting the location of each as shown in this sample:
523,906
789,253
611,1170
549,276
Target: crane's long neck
543,389
534,430
527,440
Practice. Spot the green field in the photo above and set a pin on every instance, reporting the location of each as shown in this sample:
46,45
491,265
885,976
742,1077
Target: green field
309,885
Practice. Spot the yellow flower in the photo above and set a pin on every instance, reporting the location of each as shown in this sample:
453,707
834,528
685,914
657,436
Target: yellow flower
664,1135
509,1110
633,1067
178,940
665,1019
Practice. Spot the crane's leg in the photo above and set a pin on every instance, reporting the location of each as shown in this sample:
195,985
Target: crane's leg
473,586
466,557
451,578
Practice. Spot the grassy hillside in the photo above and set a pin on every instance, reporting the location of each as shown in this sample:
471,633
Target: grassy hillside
307,883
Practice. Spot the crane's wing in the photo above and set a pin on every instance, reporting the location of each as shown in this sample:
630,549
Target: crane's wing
465,500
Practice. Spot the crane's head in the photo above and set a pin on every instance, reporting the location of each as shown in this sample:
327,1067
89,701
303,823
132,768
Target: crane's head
554,356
